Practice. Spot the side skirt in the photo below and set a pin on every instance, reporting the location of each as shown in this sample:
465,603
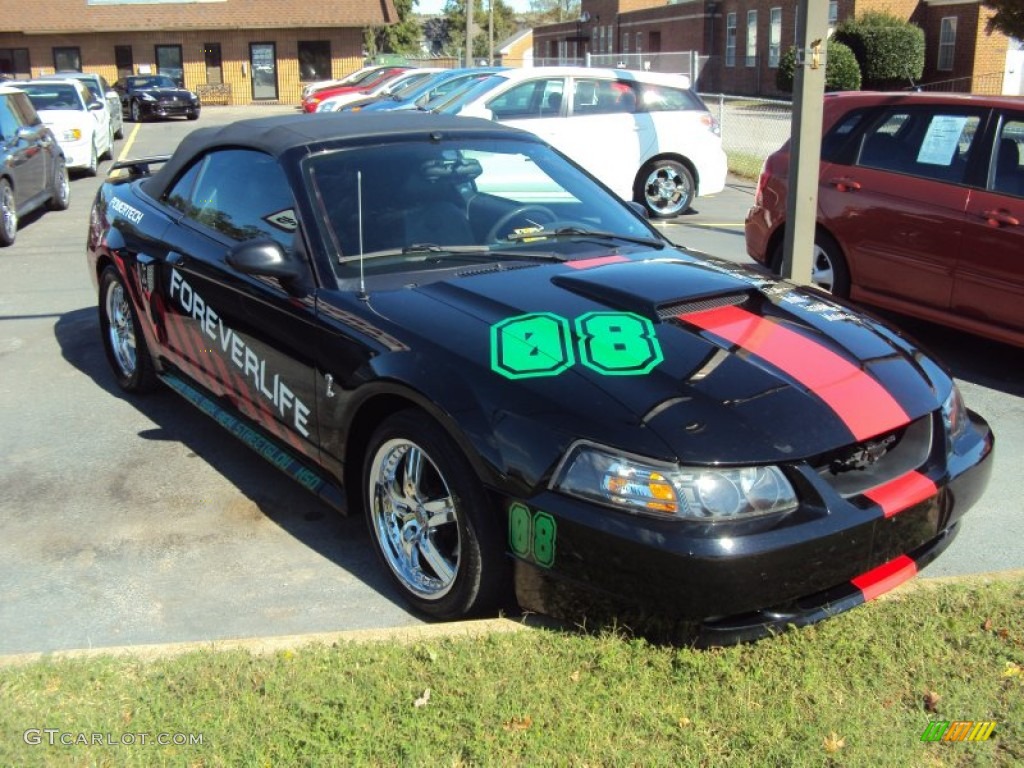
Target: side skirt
263,444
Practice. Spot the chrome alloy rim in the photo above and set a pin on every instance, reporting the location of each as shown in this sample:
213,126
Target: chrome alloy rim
61,182
9,212
413,517
823,272
665,190
121,329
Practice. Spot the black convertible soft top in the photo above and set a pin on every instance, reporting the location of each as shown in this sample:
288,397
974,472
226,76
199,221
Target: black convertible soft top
278,135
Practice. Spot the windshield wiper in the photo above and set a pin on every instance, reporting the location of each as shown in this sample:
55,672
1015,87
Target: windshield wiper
467,252
582,232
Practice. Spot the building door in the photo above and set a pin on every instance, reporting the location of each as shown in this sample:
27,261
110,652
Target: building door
123,61
169,62
263,59
214,70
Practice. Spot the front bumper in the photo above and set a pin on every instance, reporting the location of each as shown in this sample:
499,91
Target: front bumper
77,154
829,555
167,109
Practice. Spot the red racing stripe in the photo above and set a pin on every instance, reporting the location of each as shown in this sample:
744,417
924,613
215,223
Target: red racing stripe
598,261
902,493
860,401
885,577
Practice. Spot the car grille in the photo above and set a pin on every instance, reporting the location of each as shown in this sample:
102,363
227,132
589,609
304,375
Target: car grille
858,468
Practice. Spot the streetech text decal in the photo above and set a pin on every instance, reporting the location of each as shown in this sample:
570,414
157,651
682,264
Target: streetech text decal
232,345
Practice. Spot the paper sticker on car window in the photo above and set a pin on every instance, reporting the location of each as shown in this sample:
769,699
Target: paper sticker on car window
284,220
942,140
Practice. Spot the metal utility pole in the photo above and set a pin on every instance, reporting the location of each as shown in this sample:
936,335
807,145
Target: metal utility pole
469,33
805,145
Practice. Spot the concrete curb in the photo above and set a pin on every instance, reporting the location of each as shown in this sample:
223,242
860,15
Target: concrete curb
261,646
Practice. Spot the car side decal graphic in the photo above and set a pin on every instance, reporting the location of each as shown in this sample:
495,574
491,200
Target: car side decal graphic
863,404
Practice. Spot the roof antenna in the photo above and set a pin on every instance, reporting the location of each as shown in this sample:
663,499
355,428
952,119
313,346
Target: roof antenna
359,215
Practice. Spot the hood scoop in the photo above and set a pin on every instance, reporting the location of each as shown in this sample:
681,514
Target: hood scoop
656,289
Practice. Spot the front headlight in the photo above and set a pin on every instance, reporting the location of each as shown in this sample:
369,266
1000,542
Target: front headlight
623,481
72,134
954,415
325,106
145,96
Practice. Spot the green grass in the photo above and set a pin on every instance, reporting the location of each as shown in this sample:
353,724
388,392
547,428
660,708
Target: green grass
852,691
745,165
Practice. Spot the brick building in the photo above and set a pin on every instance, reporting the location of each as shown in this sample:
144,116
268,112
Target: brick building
739,42
233,51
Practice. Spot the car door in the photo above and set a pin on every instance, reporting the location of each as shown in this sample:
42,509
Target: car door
605,132
246,338
988,280
24,141
536,105
897,207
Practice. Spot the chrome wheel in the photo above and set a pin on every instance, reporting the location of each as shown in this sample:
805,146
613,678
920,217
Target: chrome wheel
120,329
413,517
8,214
822,271
61,194
667,189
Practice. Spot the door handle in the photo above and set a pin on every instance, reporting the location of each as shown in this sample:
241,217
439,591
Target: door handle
845,184
1000,218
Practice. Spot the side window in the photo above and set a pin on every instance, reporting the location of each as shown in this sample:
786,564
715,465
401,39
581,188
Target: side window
1006,171
921,142
662,98
535,98
240,193
611,96
8,119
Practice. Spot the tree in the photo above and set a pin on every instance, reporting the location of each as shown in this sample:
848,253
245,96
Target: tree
1008,17
890,51
455,16
403,37
553,11
842,73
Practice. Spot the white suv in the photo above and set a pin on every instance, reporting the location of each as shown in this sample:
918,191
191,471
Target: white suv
646,135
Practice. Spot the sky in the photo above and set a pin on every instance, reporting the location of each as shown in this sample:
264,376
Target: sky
435,6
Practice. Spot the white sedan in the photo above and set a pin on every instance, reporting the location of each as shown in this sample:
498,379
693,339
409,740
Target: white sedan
646,135
79,120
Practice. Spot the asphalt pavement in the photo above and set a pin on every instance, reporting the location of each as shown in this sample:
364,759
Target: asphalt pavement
136,520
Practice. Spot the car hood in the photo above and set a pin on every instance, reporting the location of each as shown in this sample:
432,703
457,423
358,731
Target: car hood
751,369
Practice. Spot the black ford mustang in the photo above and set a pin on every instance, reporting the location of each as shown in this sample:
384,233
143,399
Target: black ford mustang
445,325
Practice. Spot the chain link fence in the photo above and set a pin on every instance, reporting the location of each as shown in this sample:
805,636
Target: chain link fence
751,129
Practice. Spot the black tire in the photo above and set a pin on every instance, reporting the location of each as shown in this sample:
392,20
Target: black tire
829,270
94,163
193,115
123,340
8,214
60,189
109,153
135,112
665,188
430,521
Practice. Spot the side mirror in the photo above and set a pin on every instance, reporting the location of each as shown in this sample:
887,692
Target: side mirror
263,258
639,209
96,106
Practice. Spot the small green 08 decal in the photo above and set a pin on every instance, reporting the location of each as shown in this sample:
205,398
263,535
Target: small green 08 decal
532,535
541,344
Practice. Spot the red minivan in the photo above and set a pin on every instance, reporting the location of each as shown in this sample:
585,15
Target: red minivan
920,208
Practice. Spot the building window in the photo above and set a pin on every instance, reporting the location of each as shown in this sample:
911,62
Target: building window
774,36
751,38
947,39
639,43
14,63
833,15
730,40
314,59
123,61
169,62
625,42
214,64
67,59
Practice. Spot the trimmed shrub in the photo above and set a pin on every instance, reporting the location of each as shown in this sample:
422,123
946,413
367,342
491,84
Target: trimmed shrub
842,73
890,51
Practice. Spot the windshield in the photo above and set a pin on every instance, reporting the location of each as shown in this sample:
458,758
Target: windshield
459,99
48,96
152,82
401,208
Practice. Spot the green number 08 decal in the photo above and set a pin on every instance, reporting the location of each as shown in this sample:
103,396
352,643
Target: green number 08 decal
540,344
532,535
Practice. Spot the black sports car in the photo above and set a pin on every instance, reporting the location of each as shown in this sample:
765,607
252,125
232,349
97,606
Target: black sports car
144,97
443,324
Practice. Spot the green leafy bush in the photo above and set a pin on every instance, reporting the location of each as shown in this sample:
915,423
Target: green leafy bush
890,51
842,73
